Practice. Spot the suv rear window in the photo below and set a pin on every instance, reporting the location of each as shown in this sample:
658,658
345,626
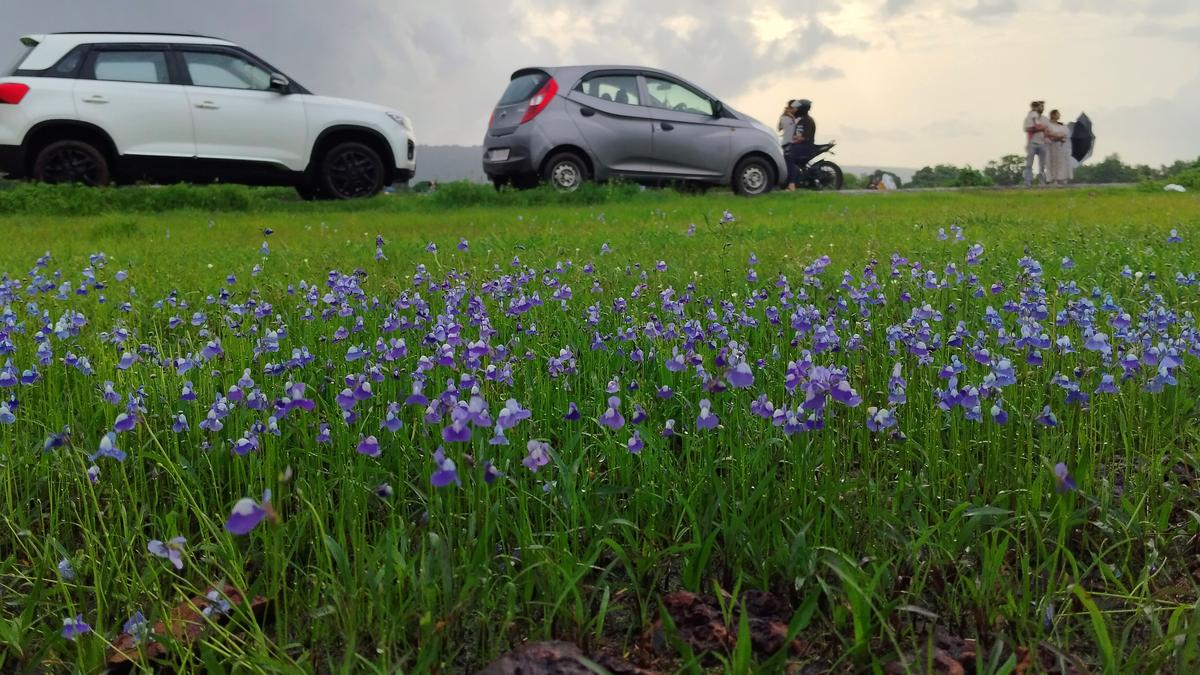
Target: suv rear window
523,87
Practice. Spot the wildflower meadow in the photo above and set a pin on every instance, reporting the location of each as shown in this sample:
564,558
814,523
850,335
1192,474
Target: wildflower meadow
413,436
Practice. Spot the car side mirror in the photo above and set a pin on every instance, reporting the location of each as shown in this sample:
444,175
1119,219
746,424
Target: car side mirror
280,83
718,109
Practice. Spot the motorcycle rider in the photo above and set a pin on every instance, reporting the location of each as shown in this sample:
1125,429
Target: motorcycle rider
805,141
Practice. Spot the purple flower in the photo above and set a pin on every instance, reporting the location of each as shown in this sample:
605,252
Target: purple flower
74,627
706,419
368,446
65,570
612,416
108,448
539,455
247,514
93,474
384,491
668,429
845,394
446,472
635,443
664,392
137,627
323,435
462,244
490,473
1047,418
1063,478
511,414
999,413
171,550
572,412
457,431
880,419
740,376
1174,238
124,422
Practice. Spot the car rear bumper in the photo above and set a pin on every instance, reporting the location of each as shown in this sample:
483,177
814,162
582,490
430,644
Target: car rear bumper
12,161
507,156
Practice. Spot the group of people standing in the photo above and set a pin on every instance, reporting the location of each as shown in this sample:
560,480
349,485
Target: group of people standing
1049,141
797,133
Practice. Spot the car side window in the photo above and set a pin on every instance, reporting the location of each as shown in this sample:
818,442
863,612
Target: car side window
131,66
675,96
227,71
615,88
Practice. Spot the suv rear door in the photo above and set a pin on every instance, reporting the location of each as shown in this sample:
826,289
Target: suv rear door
607,109
127,90
236,114
689,139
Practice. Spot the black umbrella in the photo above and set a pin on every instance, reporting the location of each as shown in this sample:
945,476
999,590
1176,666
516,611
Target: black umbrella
1082,138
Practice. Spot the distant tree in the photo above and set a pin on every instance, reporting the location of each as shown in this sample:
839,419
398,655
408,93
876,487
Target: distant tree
969,177
942,175
1110,170
851,181
1008,170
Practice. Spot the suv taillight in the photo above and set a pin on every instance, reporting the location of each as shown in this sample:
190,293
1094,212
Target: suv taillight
12,92
540,100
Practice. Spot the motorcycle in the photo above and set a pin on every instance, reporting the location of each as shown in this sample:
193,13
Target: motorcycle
822,174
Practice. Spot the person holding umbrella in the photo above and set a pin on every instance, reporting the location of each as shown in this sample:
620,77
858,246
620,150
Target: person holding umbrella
1035,142
1058,135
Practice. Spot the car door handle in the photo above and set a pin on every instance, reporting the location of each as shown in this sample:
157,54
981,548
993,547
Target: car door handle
207,105
666,126
95,99
587,112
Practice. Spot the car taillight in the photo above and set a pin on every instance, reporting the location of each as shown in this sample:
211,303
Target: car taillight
540,100
12,92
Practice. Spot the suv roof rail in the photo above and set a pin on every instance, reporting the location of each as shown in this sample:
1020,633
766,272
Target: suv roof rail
136,32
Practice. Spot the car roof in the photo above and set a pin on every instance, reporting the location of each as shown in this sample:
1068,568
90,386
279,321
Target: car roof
571,74
50,47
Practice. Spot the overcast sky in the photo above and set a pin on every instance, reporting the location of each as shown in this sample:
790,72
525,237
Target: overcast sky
895,82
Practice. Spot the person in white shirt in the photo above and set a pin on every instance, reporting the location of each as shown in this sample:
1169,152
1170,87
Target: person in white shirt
1058,138
1035,142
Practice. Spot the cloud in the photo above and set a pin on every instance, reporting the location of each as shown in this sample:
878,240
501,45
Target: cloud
894,7
986,10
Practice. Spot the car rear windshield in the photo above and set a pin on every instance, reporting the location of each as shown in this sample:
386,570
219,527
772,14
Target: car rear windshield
523,87
20,60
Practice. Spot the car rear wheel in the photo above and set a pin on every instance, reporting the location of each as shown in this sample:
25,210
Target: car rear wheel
71,161
351,171
566,171
753,176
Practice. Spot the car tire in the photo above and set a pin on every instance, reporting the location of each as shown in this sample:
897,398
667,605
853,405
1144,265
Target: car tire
71,161
350,171
753,176
566,172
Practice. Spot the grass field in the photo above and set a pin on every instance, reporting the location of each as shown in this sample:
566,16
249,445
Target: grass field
911,418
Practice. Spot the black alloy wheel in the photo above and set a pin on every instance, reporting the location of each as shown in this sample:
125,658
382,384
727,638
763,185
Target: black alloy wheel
71,161
351,171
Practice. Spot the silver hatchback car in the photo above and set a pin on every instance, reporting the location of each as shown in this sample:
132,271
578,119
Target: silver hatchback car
567,125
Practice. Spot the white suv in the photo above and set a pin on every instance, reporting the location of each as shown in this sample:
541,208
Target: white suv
103,107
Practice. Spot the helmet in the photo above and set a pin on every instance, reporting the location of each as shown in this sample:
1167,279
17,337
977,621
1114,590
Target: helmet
803,105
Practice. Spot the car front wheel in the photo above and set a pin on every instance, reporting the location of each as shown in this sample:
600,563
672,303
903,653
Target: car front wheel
566,171
71,161
351,171
752,177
